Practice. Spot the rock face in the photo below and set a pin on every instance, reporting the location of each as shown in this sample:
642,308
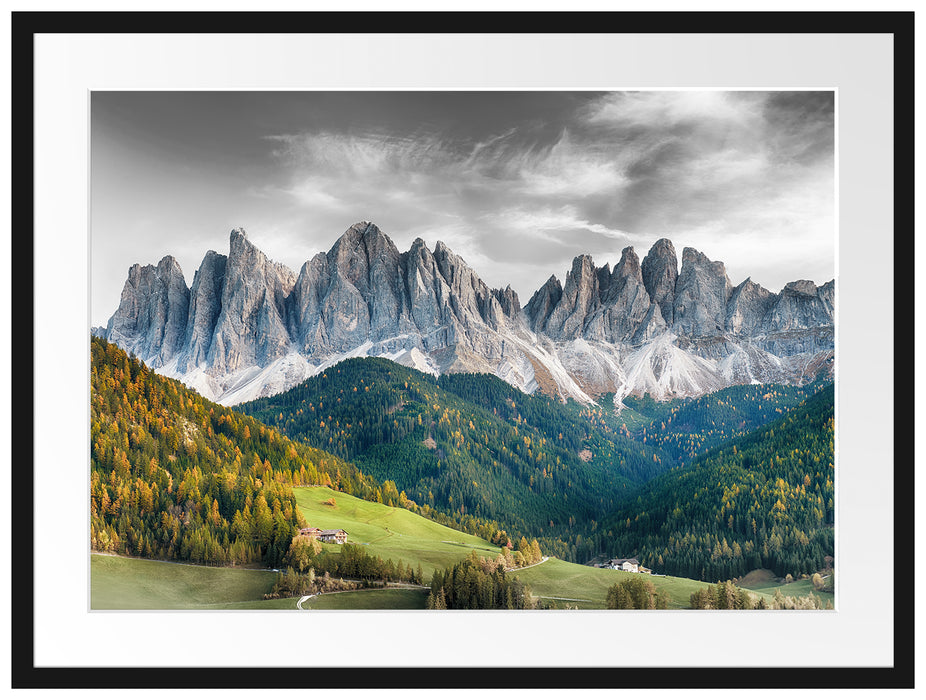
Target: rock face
701,293
747,307
625,305
364,290
543,302
205,307
800,305
349,295
249,326
152,316
508,299
660,273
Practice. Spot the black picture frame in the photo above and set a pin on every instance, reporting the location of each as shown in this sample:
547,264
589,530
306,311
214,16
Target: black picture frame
27,25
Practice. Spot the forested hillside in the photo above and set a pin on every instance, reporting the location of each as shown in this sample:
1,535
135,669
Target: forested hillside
761,501
471,444
175,476
685,428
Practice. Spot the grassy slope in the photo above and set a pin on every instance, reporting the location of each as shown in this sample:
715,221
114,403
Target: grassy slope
562,579
390,533
118,583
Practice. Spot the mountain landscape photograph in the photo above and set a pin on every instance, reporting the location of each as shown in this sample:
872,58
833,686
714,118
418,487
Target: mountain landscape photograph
452,350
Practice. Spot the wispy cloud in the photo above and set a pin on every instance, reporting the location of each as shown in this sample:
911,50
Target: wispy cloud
704,167
551,222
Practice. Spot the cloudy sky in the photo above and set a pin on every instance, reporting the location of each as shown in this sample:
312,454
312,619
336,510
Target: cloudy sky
518,183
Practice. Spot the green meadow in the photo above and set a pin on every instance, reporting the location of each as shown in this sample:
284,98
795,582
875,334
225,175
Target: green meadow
120,583
390,533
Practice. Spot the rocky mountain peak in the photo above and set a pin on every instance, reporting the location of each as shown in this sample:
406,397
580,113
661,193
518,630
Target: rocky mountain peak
749,303
579,298
361,244
238,242
152,315
249,327
660,273
508,299
418,255
805,287
801,305
701,293
582,269
205,306
629,265
623,312
604,278
542,303
169,264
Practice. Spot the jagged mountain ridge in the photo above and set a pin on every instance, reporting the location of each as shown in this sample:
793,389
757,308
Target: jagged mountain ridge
249,327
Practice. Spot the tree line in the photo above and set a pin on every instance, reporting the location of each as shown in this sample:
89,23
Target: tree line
477,583
724,595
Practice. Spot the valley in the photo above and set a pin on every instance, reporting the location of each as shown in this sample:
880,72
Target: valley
388,532
425,473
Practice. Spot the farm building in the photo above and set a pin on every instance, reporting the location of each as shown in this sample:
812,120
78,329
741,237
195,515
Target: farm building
336,536
631,565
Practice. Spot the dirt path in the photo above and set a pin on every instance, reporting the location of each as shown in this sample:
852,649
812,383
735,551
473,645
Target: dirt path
528,566
361,590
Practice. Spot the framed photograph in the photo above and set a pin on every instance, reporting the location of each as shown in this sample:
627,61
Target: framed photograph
574,330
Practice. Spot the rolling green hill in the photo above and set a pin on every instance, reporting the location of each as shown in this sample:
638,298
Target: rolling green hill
120,583
390,533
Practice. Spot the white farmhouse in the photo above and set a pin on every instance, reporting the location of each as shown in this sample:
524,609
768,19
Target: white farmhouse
631,565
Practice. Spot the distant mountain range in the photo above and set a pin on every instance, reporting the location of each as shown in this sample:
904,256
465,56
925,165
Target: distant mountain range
250,327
